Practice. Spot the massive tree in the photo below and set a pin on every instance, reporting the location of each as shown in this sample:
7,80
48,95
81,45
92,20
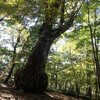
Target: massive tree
56,17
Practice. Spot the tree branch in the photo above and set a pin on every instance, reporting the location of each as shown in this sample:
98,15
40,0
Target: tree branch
67,24
71,19
62,13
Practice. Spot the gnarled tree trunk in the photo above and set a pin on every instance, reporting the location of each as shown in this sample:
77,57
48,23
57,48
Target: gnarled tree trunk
32,78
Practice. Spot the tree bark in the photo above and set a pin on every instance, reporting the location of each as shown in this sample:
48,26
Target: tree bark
32,77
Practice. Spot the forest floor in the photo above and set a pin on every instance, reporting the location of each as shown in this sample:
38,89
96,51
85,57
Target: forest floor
8,93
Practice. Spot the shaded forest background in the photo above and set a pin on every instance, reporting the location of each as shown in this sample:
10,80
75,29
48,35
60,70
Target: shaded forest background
73,64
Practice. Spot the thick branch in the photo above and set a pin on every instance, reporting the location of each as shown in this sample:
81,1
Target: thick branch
57,32
69,23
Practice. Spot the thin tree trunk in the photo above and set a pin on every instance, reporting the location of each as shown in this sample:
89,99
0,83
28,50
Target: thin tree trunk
94,44
96,88
14,53
88,89
65,85
10,73
56,81
56,77
77,89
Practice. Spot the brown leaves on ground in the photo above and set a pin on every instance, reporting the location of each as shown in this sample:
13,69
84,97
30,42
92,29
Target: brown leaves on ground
7,93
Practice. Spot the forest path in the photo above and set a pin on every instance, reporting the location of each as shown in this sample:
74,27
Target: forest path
59,96
7,93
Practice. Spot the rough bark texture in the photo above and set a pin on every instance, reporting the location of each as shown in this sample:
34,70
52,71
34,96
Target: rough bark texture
32,78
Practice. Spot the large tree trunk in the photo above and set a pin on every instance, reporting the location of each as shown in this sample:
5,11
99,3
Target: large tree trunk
32,78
